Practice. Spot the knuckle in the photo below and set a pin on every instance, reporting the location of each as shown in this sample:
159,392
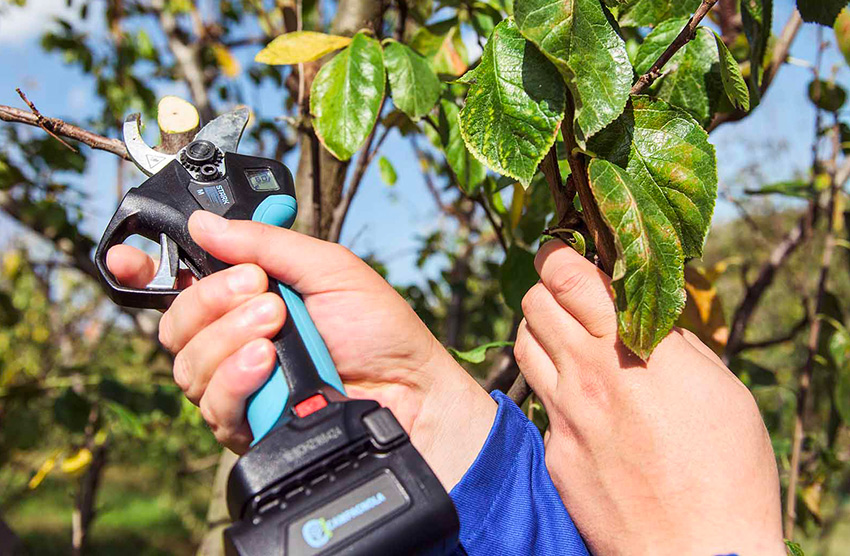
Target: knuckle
533,298
209,417
569,282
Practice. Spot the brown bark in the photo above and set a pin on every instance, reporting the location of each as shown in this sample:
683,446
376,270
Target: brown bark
351,16
84,506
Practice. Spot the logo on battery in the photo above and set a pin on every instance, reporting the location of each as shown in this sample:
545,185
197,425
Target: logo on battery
317,532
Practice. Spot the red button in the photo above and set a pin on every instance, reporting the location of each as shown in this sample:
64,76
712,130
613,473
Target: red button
310,405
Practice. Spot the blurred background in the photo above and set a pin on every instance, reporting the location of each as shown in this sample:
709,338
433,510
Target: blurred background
99,451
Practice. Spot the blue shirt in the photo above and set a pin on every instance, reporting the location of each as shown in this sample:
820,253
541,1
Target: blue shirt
506,501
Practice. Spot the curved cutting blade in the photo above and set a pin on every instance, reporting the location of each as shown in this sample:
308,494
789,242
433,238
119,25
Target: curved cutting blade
148,160
225,131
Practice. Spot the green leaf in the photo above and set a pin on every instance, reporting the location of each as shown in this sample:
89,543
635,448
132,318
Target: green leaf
668,153
649,275
514,106
827,95
517,276
442,43
842,33
578,38
648,13
466,168
839,350
733,82
484,18
692,79
794,549
820,11
794,188
414,85
756,15
478,354
346,96
300,46
388,174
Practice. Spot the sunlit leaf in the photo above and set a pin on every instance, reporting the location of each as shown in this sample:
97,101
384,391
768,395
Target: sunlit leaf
477,355
414,86
300,46
228,63
644,13
346,96
388,173
76,463
43,470
703,314
514,106
692,79
443,44
733,82
648,278
578,38
794,549
466,168
839,352
668,153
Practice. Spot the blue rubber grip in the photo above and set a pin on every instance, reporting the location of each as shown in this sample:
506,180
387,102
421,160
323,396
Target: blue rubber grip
266,405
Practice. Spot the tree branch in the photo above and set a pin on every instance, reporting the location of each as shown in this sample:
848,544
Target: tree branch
685,36
366,156
602,236
790,335
64,129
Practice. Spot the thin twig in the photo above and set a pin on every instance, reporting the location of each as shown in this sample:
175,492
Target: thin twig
497,228
366,156
64,129
40,120
790,335
685,36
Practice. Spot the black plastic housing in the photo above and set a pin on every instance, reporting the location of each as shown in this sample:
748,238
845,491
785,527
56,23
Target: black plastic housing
308,464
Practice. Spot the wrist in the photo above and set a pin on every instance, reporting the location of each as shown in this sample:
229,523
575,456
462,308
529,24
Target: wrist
454,418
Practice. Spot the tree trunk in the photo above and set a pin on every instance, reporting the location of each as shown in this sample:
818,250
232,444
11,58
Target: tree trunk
217,516
351,16
84,506
10,543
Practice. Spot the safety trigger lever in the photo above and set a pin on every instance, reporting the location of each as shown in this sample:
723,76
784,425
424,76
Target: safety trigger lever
169,264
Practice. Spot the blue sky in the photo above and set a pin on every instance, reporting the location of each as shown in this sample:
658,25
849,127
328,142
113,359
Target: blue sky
383,220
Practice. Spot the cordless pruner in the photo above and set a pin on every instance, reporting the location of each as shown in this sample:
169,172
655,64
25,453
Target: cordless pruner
325,474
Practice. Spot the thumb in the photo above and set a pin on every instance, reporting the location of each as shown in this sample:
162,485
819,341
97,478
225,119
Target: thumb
307,264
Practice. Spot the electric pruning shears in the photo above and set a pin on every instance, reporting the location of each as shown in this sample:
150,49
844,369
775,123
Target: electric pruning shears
325,474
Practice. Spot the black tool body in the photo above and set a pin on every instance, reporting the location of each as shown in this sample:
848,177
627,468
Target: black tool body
326,474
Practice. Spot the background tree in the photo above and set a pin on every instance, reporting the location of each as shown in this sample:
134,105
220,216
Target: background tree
579,119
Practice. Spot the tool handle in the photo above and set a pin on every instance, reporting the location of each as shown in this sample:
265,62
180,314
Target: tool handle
304,367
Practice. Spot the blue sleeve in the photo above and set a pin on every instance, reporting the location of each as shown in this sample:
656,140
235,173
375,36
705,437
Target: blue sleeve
506,501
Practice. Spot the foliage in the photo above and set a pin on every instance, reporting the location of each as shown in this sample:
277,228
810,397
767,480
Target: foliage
511,136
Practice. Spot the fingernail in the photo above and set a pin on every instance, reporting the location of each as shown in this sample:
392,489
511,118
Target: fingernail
263,312
209,222
254,357
243,281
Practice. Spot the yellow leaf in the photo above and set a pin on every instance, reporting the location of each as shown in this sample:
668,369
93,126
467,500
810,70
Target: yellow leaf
300,46
811,496
42,472
76,463
226,61
703,314
12,263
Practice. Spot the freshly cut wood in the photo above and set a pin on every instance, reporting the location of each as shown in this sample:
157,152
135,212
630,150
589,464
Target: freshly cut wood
178,122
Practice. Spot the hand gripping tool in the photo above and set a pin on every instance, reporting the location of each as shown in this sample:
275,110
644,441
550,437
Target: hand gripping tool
325,474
